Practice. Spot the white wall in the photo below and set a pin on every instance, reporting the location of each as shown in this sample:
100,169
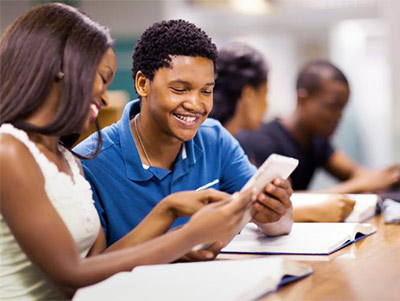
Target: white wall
123,17
360,49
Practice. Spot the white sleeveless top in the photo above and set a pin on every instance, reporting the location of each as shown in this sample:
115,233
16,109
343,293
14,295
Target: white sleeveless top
73,201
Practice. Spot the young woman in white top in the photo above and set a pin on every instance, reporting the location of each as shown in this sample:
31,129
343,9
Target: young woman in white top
56,65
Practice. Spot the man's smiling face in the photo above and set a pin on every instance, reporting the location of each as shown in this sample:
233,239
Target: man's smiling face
181,96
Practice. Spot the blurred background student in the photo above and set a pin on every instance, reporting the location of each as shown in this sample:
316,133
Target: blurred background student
240,104
322,94
56,66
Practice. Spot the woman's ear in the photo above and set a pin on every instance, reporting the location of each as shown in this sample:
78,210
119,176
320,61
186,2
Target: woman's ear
142,84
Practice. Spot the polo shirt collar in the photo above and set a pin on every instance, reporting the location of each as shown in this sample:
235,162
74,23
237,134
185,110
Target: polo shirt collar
190,153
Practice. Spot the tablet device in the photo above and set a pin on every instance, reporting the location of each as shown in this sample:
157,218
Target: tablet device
275,166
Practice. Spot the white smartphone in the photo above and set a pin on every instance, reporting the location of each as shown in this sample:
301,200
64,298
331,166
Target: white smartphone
275,166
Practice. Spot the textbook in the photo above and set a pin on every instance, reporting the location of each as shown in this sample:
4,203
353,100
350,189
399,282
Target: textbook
244,279
366,205
304,239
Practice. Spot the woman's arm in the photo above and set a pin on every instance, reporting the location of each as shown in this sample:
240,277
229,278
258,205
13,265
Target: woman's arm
159,220
44,238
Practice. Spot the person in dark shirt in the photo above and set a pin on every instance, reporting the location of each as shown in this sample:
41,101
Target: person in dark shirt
274,138
240,103
322,94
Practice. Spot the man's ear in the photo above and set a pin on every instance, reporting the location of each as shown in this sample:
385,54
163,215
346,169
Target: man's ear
142,84
302,95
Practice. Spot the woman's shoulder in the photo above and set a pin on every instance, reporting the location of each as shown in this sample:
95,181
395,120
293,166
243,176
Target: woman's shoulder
11,147
15,156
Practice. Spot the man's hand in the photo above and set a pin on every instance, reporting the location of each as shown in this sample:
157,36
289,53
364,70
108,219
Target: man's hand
274,202
375,181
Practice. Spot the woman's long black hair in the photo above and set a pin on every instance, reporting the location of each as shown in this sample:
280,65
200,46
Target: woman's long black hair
52,42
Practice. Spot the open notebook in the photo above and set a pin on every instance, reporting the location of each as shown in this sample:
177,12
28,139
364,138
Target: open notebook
305,238
216,280
366,205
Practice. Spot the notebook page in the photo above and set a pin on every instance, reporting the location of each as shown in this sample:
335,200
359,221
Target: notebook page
305,238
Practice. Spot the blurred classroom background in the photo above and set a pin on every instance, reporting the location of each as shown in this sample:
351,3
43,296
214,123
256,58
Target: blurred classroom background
360,36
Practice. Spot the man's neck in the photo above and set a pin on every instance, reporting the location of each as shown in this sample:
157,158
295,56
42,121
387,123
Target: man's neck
297,129
161,149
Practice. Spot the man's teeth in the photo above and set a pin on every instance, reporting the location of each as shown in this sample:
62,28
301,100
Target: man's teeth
186,118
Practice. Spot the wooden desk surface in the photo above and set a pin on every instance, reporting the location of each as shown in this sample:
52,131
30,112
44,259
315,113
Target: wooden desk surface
366,270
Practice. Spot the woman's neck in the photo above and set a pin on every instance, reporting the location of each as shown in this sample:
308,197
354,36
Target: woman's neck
44,116
234,125
48,142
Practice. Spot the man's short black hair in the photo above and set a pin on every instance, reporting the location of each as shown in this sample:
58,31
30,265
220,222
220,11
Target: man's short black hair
311,76
168,38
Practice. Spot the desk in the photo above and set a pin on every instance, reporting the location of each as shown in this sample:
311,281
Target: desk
366,270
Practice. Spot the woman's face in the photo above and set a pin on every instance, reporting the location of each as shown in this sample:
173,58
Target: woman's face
255,106
104,77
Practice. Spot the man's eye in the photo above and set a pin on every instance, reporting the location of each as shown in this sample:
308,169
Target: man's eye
179,90
206,92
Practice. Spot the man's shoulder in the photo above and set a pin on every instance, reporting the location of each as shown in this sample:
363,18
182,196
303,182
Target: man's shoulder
211,128
211,123
109,136
213,136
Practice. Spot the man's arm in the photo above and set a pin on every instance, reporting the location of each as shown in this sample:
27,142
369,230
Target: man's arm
358,179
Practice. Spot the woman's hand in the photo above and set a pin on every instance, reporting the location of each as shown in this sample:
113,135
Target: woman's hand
219,222
186,203
204,254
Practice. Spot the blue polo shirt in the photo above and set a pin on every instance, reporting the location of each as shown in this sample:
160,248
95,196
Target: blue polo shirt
125,191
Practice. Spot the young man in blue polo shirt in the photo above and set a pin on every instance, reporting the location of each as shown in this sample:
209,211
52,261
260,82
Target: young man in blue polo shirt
163,142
